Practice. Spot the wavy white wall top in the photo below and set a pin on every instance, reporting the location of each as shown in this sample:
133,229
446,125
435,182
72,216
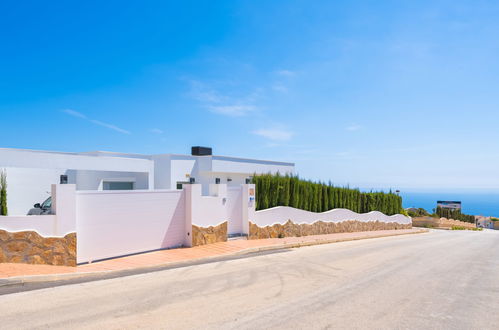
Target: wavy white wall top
281,214
44,225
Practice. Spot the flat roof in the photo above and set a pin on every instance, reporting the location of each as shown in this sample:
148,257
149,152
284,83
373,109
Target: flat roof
148,157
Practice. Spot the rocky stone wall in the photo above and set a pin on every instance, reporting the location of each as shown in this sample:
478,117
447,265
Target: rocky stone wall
291,229
31,248
208,235
440,223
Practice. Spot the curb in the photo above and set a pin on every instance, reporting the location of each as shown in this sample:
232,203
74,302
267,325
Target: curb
25,279
320,242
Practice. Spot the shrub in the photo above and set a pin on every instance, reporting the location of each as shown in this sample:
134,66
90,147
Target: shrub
464,228
455,214
420,212
3,193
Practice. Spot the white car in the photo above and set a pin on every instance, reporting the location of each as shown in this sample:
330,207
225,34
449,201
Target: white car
43,208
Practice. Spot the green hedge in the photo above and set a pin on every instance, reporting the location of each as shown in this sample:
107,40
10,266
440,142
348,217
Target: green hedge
455,214
278,190
3,193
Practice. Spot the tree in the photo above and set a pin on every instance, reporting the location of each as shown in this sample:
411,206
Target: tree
3,193
279,190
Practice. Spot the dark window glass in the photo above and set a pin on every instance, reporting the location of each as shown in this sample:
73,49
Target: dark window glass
117,185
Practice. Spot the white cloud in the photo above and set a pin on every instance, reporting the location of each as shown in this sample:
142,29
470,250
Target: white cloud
286,73
353,127
204,93
94,121
156,131
233,105
110,126
74,113
232,110
275,134
280,88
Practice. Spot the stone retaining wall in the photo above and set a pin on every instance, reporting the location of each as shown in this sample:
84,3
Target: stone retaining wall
208,235
31,248
440,223
291,229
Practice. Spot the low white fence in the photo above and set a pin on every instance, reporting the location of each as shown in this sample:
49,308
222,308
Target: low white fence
57,225
116,223
45,225
282,214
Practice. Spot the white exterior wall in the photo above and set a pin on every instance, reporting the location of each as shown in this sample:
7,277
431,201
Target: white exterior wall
28,186
229,204
64,207
93,180
234,205
162,172
207,178
249,166
282,214
45,225
116,223
237,170
60,160
207,210
31,173
180,168
58,225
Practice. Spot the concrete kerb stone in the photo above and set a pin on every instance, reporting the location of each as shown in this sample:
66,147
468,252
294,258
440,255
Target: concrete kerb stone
20,280
319,242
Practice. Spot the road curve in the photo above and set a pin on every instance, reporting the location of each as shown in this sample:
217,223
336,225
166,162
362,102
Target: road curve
439,280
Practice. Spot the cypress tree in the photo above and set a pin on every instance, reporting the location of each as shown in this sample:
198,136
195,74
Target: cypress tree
278,190
325,199
3,193
295,197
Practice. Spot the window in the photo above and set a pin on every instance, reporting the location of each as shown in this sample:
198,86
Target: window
47,204
117,185
180,184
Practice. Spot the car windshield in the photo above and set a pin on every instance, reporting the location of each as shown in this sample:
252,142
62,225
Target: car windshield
47,204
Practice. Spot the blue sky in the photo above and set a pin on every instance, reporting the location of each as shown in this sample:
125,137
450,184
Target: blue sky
375,94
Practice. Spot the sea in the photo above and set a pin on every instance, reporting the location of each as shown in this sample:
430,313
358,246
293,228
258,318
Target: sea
473,203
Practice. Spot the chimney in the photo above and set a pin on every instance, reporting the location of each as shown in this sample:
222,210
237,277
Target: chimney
201,151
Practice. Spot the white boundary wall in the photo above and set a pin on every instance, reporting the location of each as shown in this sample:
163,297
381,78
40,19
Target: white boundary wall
116,223
43,224
58,225
281,214
225,203
206,211
234,206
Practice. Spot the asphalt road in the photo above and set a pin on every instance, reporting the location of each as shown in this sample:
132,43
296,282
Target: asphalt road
439,280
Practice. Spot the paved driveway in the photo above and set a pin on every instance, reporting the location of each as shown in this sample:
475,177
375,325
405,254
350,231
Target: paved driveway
440,280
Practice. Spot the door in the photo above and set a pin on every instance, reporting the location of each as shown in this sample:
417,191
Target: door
234,211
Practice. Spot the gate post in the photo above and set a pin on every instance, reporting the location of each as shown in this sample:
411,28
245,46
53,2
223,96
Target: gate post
192,193
248,206
64,207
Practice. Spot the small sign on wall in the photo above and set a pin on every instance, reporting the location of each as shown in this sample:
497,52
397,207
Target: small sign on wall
251,197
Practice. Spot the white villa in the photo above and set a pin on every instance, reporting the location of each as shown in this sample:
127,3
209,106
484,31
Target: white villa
30,173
